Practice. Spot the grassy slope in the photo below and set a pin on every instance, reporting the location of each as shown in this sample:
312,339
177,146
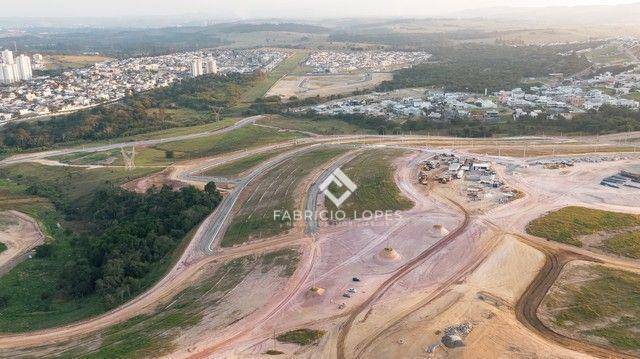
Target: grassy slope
235,168
255,219
3,247
184,115
609,302
170,132
82,158
29,287
372,172
566,224
242,138
74,182
322,127
179,131
625,244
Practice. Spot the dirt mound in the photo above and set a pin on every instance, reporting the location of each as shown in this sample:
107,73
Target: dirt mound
389,254
316,291
157,180
439,229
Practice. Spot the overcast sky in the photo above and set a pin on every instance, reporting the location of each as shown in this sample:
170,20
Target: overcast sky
246,9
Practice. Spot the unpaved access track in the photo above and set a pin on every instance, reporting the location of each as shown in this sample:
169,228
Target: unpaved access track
21,234
204,249
399,274
527,306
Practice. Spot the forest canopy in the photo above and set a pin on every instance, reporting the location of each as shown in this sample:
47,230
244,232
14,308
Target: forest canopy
474,68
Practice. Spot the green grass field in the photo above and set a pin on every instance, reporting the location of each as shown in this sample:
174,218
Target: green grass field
237,167
184,129
624,244
242,138
320,126
567,224
170,132
372,171
287,66
606,306
301,336
159,155
187,130
3,247
92,158
74,183
274,191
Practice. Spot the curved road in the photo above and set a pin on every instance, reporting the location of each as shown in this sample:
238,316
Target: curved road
211,229
39,155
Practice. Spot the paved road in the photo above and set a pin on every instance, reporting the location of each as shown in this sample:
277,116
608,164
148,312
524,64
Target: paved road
39,155
212,230
311,203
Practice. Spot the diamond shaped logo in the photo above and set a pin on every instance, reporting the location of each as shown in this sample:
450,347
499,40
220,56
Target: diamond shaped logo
340,179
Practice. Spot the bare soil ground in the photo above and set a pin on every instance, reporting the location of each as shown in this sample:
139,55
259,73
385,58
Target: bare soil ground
21,234
325,85
157,180
399,307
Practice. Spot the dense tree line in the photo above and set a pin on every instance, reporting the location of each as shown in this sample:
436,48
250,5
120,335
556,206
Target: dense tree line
114,42
202,92
130,116
128,235
474,68
122,43
608,119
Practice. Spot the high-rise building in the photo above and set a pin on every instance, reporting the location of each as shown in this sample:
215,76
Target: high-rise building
24,68
7,57
8,73
211,66
196,68
14,71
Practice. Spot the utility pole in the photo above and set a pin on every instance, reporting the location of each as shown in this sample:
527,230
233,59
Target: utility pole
274,339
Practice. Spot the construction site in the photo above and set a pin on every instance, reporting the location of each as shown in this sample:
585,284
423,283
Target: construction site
469,261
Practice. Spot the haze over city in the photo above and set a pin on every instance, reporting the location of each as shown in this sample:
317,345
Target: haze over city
320,179
247,9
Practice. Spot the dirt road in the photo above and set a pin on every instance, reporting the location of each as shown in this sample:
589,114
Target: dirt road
21,234
401,272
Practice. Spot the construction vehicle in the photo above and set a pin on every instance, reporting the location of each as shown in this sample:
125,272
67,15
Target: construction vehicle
444,179
423,178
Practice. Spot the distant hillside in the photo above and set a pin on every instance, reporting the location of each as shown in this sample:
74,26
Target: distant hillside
285,27
118,42
598,14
